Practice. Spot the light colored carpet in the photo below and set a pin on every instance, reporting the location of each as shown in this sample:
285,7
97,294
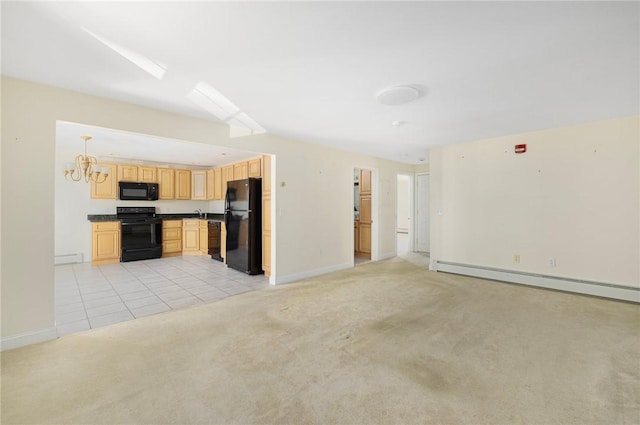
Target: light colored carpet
385,342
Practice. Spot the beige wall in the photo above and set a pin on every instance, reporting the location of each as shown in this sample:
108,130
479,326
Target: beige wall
573,196
313,193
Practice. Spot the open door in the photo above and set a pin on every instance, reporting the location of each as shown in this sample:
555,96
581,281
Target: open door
362,215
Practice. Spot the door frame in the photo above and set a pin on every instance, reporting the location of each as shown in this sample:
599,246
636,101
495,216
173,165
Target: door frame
415,239
412,210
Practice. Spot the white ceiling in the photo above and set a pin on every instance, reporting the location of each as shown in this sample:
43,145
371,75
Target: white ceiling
311,70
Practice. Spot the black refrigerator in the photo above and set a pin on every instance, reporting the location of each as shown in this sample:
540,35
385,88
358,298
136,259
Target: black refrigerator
243,220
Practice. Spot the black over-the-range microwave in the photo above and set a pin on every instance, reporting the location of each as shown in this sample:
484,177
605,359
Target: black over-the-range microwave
133,191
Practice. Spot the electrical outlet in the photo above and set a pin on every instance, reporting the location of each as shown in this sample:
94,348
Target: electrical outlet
516,258
552,262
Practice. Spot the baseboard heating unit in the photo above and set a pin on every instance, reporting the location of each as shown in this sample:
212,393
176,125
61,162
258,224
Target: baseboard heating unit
606,290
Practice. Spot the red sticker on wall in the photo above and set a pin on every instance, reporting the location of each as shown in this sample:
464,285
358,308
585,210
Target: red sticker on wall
521,148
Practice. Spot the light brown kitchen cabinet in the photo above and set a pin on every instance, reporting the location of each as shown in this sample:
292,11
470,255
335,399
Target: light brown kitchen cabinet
147,174
137,173
182,184
171,238
204,237
255,167
227,176
211,181
127,173
199,185
240,170
364,225
107,189
365,182
356,237
105,241
166,185
191,237
266,214
223,242
218,193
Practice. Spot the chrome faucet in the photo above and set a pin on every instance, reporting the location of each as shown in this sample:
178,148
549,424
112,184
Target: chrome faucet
199,212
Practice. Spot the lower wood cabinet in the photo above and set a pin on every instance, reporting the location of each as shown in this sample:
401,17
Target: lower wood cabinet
171,238
105,242
191,237
204,237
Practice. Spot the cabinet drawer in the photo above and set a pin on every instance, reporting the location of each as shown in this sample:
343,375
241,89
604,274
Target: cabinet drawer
191,224
166,224
171,246
171,234
107,225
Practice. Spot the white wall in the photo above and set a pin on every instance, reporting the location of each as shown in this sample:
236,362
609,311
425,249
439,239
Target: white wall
573,196
313,193
402,212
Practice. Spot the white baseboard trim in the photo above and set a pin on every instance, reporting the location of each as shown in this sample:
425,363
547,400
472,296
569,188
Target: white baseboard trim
68,259
606,290
311,273
28,338
387,256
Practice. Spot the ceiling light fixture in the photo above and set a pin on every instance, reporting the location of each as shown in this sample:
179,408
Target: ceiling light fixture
398,95
86,167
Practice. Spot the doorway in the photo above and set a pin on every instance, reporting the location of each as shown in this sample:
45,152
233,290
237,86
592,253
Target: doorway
422,214
403,214
362,185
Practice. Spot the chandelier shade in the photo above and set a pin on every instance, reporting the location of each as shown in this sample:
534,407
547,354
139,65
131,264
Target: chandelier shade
85,167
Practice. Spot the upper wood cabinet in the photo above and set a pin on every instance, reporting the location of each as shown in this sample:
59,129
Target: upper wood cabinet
227,176
107,189
214,184
183,184
199,185
148,174
266,174
255,167
127,173
365,182
218,193
137,173
166,185
240,170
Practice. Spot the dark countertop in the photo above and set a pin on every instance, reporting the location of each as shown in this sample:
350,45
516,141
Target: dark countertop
175,216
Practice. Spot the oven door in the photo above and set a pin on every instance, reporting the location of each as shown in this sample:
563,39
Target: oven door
141,239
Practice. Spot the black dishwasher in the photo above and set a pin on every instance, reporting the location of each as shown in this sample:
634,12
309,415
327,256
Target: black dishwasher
214,240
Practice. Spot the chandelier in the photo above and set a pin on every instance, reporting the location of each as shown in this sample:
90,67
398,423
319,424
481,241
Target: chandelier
85,167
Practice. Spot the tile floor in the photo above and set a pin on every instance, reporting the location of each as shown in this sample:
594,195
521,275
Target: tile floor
89,296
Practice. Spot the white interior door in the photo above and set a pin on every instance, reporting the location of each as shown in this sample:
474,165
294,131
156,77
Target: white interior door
422,213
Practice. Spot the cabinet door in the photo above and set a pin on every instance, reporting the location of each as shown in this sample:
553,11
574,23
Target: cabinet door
127,173
365,182
183,184
166,177
199,185
105,242
240,170
190,238
211,180
266,174
204,237
148,174
255,167
227,176
217,188
364,236
356,237
107,189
